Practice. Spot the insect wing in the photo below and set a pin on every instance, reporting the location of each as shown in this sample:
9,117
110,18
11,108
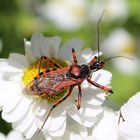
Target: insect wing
44,85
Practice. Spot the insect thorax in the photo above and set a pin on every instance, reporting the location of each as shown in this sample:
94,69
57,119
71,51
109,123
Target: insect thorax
79,71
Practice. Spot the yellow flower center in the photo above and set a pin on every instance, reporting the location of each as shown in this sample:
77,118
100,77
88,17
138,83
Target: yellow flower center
32,71
129,49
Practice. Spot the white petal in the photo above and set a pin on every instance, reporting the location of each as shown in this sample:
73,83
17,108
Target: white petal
28,53
25,123
130,111
12,76
19,58
53,44
57,127
93,97
3,96
89,108
101,77
83,116
136,99
66,50
132,108
38,42
41,46
85,84
71,136
10,95
30,131
16,113
106,128
12,104
118,40
56,123
90,96
130,129
124,64
42,108
10,66
13,135
75,131
87,55
2,136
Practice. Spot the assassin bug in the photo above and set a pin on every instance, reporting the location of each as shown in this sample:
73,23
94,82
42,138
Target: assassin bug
58,79
51,82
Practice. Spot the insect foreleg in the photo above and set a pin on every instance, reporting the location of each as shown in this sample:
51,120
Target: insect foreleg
50,61
74,56
78,101
56,104
93,60
101,87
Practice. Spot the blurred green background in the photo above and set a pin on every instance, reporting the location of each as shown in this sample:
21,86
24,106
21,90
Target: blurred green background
19,19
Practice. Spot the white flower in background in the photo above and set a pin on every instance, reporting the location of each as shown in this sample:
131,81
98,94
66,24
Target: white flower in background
27,113
72,14
66,14
14,135
121,43
129,128
114,9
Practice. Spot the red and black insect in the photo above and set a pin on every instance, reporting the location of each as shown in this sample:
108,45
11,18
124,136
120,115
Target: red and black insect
50,82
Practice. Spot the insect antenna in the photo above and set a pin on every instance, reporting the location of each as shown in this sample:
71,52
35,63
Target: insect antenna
118,57
98,34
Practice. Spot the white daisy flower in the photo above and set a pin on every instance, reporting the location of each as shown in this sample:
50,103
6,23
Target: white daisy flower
114,9
129,127
27,113
121,43
66,14
14,135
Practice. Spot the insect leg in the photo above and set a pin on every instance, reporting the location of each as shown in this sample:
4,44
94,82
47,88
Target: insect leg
74,56
78,101
40,64
93,60
50,61
101,87
55,105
